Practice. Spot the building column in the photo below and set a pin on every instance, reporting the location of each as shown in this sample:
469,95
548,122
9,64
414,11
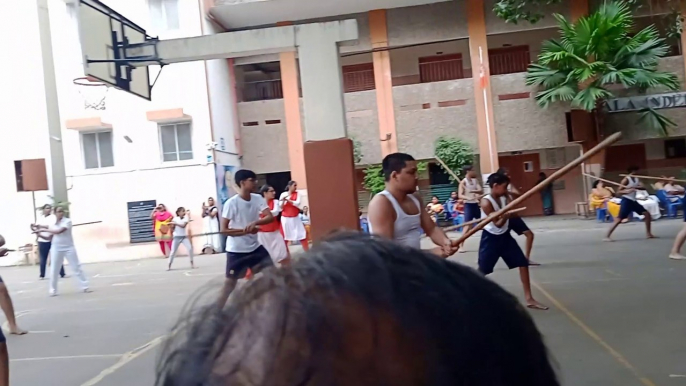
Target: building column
483,100
329,162
378,31
291,103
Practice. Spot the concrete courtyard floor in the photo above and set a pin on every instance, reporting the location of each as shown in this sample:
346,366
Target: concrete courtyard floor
617,317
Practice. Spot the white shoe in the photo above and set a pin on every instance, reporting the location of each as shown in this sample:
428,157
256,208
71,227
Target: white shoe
86,290
53,294
677,256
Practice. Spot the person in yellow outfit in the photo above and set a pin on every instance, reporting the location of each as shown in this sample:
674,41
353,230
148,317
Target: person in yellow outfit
600,197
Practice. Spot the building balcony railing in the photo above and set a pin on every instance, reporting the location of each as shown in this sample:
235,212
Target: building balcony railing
509,62
262,90
441,70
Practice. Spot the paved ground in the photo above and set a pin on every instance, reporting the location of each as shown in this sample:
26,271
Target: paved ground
617,317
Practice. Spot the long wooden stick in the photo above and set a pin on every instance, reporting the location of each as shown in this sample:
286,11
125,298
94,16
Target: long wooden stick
607,142
604,180
651,177
87,223
447,169
458,226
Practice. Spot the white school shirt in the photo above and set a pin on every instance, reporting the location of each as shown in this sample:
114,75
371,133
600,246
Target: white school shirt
633,182
63,241
491,227
407,228
240,214
46,221
179,231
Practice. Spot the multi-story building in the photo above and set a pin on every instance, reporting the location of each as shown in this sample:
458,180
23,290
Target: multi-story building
425,69
126,150
420,69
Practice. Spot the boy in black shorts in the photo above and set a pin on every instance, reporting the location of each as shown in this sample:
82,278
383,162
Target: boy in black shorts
517,224
240,222
497,242
629,205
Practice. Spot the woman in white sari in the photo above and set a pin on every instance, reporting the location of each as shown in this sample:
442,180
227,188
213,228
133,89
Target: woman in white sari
650,203
210,218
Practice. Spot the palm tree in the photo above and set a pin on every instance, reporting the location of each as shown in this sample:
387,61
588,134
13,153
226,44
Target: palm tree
598,51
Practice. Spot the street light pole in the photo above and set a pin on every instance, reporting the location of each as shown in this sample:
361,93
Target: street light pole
58,172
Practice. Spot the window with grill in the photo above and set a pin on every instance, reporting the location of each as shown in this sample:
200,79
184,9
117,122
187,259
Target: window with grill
358,77
440,68
97,150
176,142
508,60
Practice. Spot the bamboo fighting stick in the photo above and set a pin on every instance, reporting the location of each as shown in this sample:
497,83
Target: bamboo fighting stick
454,227
604,180
607,142
447,169
651,177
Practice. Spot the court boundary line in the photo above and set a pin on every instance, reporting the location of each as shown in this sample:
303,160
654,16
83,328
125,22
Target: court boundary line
594,335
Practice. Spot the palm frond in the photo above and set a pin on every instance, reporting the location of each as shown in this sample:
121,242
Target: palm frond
645,79
539,75
652,119
586,98
562,93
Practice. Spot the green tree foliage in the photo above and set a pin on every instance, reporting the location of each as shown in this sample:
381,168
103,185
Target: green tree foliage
374,180
514,11
598,51
357,150
455,153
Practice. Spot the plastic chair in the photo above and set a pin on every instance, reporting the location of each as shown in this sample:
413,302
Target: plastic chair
671,207
603,215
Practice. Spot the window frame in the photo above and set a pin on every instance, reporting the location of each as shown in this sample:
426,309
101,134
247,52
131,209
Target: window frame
176,140
163,11
97,148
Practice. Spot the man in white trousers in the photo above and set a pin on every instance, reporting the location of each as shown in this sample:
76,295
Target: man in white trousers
63,248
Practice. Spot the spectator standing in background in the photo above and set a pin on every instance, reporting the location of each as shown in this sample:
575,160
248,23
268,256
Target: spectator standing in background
161,219
45,239
210,216
293,228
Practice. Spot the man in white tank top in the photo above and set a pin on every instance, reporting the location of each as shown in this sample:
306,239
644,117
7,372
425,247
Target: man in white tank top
471,192
516,223
497,242
629,204
396,213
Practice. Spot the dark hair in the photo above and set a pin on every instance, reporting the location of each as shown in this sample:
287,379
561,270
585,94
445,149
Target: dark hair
497,178
467,168
264,189
394,162
46,206
243,175
356,311
595,183
290,183
436,197
502,171
632,168
179,209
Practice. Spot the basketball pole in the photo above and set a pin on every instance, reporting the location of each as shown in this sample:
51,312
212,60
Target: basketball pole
58,176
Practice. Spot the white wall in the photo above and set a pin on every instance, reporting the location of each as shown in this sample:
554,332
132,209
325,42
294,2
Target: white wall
139,173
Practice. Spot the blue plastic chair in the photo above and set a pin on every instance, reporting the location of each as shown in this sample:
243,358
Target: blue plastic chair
671,207
364,225
603,214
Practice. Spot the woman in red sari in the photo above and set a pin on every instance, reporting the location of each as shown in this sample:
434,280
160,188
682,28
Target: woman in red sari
161,218
271,235
293,228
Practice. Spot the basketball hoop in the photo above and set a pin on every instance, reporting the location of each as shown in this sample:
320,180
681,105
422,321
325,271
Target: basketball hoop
93,92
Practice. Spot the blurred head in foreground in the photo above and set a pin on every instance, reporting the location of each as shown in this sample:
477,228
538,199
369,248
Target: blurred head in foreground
357,311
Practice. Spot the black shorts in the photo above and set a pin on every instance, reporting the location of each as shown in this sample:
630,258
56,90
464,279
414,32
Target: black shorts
627,206
518,225
237,264
493,247
472,211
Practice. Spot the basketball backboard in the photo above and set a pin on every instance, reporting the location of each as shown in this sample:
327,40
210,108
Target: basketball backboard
105,37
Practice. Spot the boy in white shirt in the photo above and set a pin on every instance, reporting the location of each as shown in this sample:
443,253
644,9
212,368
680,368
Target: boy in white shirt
63,248
180,222
242,216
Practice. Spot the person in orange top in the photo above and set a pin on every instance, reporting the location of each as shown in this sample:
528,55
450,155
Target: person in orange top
270,235
292,225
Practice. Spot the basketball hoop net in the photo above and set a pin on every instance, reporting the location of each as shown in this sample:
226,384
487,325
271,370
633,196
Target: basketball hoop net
93,92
